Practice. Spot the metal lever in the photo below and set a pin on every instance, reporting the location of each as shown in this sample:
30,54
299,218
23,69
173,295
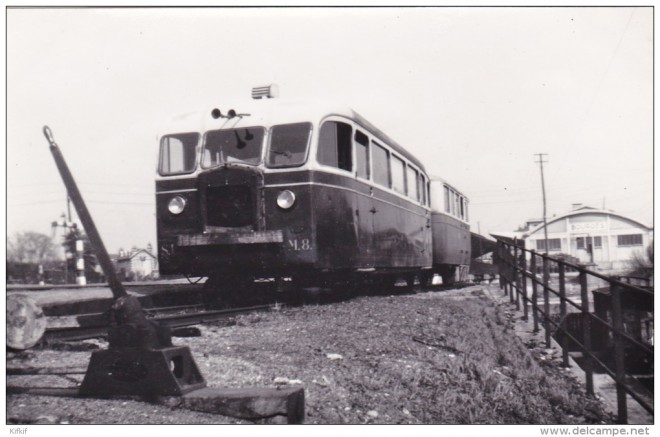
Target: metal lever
49,136
85,218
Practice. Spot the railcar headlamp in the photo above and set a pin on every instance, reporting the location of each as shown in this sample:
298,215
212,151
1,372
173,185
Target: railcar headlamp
286,199
176,205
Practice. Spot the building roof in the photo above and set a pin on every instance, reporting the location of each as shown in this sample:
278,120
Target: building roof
583,211
525,232
133,254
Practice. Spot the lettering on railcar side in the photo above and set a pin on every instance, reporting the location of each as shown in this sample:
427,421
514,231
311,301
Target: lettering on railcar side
302,244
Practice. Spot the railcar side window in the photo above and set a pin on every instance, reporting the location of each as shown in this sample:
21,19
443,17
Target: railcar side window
412,183
447,200
421,189
398,175
177,153
335,145
233,145
428,193
361,155
381,165
288,145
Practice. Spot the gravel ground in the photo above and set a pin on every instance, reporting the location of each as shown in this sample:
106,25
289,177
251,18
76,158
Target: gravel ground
431,358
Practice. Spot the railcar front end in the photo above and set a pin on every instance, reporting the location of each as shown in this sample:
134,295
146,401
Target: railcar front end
223,219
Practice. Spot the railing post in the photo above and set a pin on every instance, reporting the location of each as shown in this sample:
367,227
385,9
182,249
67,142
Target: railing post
562,312
586,332
535,312
546,301
524,284
516,278
502,264
619,353
507,256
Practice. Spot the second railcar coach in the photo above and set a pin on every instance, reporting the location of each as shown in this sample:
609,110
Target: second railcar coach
277,188
451,233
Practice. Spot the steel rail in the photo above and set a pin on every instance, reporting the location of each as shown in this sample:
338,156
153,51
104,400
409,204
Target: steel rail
171,321
76,333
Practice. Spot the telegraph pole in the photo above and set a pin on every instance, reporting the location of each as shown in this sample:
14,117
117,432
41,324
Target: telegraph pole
545,223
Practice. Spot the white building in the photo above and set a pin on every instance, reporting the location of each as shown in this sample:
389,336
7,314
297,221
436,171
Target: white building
592,235
136,264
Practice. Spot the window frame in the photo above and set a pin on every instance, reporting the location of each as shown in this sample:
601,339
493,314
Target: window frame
375,146
349,155
540,244
367,148
196,162
269,143
630,236
261,154
447,198
404,186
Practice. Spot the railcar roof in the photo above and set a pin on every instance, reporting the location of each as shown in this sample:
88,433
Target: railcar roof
438,179
269,112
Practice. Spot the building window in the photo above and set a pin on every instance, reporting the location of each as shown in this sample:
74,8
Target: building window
598,242
553,244
580,242
629,240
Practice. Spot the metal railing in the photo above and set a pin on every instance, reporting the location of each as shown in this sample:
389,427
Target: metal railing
520,266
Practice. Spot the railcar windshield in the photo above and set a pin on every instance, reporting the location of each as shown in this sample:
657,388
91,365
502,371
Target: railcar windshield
288,145
177,153
242,145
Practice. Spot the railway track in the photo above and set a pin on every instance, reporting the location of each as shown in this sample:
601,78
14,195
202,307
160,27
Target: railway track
178,318
94,325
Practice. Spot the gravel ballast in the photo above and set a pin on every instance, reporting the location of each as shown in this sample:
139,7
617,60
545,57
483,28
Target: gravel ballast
430,358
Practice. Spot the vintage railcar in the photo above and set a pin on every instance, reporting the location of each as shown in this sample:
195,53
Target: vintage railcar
279,188
451,232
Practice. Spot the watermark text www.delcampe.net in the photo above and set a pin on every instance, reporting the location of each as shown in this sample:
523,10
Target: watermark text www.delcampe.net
595,430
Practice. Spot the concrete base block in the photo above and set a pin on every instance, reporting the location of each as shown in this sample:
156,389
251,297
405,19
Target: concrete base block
244,403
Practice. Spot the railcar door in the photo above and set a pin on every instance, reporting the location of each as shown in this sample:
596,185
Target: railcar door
335,198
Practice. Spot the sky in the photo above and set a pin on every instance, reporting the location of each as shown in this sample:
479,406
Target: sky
474,93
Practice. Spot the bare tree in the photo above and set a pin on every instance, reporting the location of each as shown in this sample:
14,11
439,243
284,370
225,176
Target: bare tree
30,247
641,264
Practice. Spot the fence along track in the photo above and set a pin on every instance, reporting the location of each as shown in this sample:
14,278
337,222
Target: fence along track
512,260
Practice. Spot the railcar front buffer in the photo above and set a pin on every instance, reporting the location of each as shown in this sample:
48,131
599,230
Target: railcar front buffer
141,359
